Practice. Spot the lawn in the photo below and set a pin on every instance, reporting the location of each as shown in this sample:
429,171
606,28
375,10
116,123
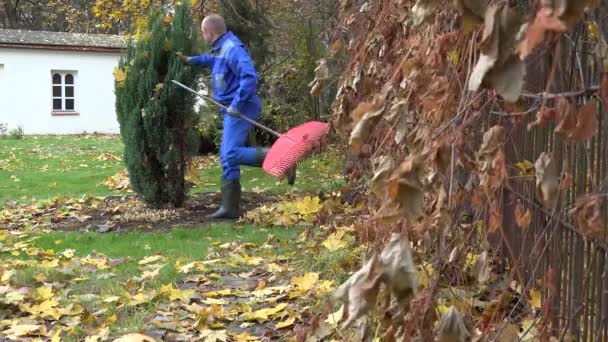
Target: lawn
210,281
73,166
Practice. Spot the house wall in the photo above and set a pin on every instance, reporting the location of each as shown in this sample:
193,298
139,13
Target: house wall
26,90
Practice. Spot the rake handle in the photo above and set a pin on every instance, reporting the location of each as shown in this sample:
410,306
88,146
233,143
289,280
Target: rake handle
240,116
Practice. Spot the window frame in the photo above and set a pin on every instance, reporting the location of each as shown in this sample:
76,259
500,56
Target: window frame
63,97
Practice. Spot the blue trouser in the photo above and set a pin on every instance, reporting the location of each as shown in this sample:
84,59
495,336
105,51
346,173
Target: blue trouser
233,152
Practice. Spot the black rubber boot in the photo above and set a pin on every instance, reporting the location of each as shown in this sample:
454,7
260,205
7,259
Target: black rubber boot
291,176
231,198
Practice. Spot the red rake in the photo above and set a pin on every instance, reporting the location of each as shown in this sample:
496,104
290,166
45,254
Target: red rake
290,148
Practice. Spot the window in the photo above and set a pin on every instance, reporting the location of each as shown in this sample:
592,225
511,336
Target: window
63,91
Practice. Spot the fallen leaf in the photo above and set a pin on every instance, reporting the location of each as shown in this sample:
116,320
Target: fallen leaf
335,242
135,338
286,323
150,259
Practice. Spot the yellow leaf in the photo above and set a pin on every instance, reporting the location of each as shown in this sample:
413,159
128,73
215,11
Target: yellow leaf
187,268
334,242
334,318
6,276
168,19
150,259
264,314
44,293
214,335
325,287
135,338
111,319
211,301
57,335
286,323
306,282
535,298
244,337
119,75
20,330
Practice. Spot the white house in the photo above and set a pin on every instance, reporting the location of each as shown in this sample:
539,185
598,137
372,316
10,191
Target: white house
58,83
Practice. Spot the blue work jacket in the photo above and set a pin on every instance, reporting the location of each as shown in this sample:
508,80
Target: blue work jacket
234,78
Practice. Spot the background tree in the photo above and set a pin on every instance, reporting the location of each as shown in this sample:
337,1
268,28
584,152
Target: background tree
156,118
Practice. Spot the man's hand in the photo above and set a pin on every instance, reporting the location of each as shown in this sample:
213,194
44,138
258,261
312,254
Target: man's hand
232,111
182,58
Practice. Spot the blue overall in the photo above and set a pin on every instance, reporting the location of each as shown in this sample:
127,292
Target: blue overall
234,81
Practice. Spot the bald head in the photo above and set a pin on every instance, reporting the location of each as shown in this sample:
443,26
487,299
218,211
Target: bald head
212,27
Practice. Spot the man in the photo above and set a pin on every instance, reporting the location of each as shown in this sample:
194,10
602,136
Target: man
234,81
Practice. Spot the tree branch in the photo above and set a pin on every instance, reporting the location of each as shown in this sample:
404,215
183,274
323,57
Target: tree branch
549,96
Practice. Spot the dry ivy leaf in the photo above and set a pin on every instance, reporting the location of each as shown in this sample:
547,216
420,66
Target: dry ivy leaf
481,269
586,122
493,140
498,67
472,12
555,16
588,214
543,116
405,189
399,269
364,126
422,10
566,112
547,180
359,292
523,219
452,327
566,182
508,80
383,166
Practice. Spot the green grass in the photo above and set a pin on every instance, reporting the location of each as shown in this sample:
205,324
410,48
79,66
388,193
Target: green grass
43,167
179,244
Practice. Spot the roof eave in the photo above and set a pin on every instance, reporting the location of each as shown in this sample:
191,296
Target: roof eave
62,47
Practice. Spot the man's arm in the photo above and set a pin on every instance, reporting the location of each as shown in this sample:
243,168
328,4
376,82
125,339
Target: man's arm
241,64
205,60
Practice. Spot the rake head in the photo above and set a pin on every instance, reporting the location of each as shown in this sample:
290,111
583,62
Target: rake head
293,146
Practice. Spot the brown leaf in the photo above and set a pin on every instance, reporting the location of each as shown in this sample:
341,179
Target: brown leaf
588,214
493,140
405,189
369,117
498,67
399,269
383,166
543,116
452,327
566,114
481,269
359,292
472,12
522,218
566,182
586,122
547,180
